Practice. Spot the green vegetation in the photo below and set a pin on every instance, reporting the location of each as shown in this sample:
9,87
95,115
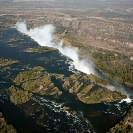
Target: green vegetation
126,125
19,96
97,80
38,68
57,76
89,89
38,81
99,95
7,62
12,45
27,76
4,127
114,66
40,49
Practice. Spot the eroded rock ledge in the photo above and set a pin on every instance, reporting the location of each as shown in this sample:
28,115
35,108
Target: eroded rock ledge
35,81
89,89
4,127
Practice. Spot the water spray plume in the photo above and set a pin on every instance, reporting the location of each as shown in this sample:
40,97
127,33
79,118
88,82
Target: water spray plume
44,36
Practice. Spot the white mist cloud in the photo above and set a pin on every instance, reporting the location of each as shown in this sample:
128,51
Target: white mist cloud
44,36
121,89
22,27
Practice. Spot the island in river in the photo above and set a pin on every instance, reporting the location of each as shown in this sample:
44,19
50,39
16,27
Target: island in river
39,49
88,88
44,89
7,62
5,127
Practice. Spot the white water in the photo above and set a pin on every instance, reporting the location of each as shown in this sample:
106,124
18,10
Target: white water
44,36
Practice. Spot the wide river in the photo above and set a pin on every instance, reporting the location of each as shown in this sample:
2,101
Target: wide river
45,114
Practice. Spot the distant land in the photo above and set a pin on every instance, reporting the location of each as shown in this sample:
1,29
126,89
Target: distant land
41,87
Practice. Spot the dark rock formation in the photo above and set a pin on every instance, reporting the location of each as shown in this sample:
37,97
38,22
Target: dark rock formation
89,89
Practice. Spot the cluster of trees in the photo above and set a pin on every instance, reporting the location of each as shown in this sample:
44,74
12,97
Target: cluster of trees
89,90
98,80
4,127
38,81
25,76
6,62
114,66
19,96
40,49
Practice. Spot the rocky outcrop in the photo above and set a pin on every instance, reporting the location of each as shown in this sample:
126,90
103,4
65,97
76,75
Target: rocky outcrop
89,89
19,96
4,127
39,49
7,62
37,81
58,76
